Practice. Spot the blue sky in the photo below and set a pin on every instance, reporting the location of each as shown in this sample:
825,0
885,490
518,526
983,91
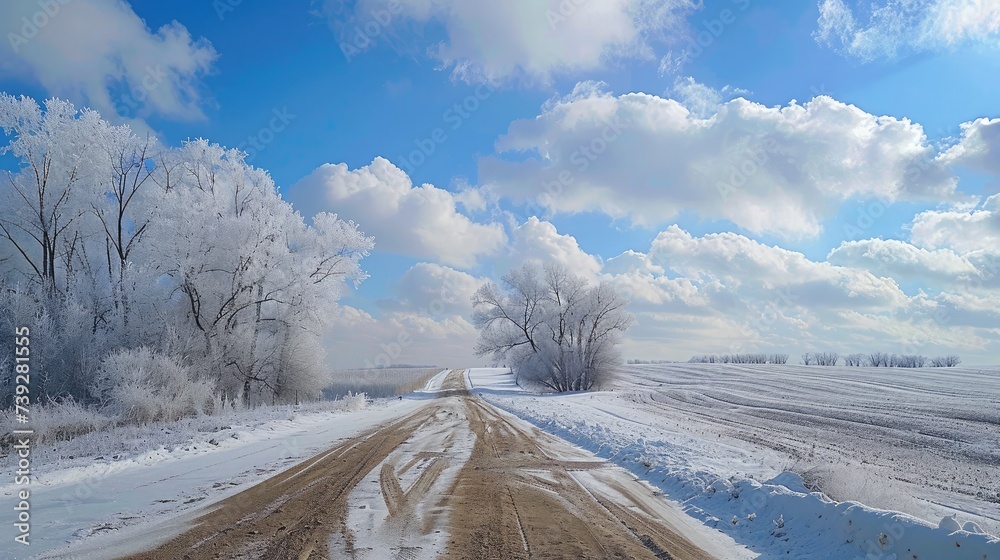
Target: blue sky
867,197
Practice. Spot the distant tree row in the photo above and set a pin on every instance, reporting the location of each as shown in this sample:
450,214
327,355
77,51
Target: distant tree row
946,361
739,359
879,359
821,358
873,359
635,361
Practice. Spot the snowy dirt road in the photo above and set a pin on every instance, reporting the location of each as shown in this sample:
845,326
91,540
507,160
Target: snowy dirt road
455,479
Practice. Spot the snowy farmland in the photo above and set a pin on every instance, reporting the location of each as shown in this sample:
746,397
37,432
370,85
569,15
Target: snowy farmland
743,447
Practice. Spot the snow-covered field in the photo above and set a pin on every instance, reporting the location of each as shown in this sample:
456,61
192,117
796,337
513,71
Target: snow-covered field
741,448
174,470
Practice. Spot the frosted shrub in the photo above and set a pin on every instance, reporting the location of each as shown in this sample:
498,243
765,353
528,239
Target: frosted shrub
56,421
59,421
355,402
142,386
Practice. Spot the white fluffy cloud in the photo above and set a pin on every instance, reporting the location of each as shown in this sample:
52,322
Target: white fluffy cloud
978,230
979,146
538,241
494,41
898,259
435,291
701,100
425,322
631,262
417,221
895,29
100,53
766,169
759,271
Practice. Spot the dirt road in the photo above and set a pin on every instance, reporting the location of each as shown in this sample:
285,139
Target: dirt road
457,479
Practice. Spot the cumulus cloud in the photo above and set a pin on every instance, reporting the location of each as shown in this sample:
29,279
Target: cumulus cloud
434,290
425,322
700,99
494,41
539,241
100,53
896,29
978,230
631,262
767,169
417,221
979,146
427,318
759,271
899,259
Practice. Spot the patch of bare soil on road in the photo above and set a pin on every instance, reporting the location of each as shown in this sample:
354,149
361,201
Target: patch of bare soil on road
514,499
457,479
291,515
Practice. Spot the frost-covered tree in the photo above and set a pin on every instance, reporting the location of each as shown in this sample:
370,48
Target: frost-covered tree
826,358
44,225
907,360
46,198
877,359
855,360
946,361
554,329
251,272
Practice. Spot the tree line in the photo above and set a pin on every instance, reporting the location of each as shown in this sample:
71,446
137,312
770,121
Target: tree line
143,269
747,358
879,359
872,359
